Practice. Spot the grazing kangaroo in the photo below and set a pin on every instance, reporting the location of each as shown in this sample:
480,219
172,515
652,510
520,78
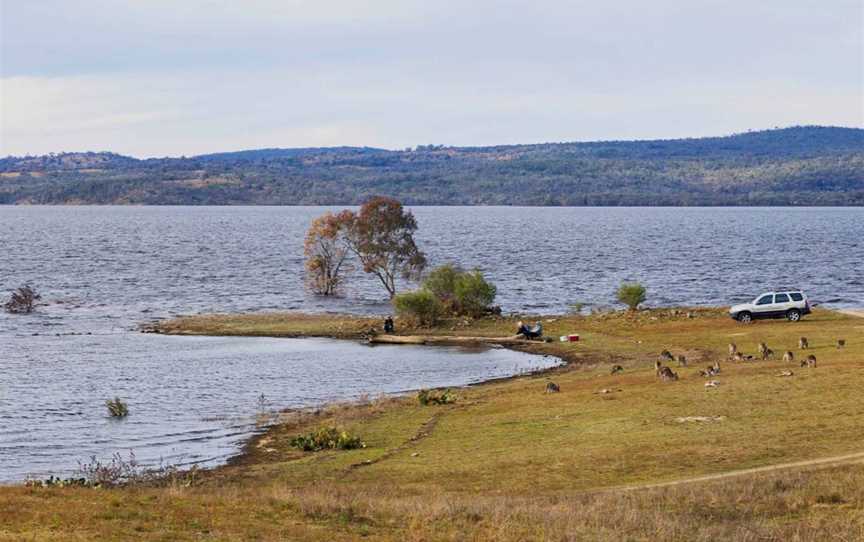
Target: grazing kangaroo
841,343
767,354
682,361
803,344
716,367
552,387
617,369
809,362
789,357
665,373
667,356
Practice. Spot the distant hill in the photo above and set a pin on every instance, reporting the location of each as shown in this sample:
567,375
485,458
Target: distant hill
808,165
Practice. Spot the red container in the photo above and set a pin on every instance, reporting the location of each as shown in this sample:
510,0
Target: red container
573,338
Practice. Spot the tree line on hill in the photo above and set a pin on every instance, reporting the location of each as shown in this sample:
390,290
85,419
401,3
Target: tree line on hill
792,166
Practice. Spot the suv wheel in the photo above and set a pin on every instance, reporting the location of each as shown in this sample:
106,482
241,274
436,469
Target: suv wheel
745,317
793,315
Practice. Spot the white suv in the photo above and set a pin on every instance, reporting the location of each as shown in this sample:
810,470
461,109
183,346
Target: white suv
789,304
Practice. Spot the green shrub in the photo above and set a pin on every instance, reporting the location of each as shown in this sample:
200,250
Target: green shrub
432,397
631,294
474,294
117,408
421,306
441,281
327,438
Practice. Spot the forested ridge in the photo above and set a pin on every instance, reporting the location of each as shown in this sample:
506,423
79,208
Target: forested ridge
807,165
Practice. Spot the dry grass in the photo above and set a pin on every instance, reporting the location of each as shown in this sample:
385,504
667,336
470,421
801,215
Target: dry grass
509,462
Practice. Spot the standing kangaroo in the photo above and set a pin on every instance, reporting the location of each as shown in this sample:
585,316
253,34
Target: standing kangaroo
682,361
733,349
841,343
803,344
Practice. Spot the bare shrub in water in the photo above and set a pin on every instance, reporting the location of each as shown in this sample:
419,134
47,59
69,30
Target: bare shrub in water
117,408
23,301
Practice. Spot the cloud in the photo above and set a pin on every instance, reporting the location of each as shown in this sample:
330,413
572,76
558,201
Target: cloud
159,77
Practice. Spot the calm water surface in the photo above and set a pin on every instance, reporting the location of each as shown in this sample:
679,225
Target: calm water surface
103,270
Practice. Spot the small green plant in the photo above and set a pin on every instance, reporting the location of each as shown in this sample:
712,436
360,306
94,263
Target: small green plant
327,438
576,308
631,294
474,294
421,306
117,408
433,397
441,281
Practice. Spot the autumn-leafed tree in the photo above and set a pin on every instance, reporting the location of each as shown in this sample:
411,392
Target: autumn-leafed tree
382,236
326,248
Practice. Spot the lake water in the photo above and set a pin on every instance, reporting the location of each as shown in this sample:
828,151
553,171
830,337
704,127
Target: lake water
103,270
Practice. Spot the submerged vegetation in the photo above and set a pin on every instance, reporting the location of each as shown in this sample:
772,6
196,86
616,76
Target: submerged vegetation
117,408
380,235
22,301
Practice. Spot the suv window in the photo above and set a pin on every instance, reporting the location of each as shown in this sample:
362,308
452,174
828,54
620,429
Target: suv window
781,298
796,296
765,300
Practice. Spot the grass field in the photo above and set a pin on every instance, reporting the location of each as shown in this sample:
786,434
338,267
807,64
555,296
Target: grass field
507,461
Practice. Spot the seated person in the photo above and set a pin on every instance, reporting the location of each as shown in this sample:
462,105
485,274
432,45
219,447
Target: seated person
535,332
522,329
388,325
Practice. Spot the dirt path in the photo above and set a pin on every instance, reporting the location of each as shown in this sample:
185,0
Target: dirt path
822,462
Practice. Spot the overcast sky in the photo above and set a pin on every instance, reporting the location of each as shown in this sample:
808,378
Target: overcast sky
183,77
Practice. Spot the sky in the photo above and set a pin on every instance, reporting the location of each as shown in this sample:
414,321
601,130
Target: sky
170,78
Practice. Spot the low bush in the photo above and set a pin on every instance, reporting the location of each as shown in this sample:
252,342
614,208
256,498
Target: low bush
631,294
433,397
421,306
327,438
441,281
474,294
117,408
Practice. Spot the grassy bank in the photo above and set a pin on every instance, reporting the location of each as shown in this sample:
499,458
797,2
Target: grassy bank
507,461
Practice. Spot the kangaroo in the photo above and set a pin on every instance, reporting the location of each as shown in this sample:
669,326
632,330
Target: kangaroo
733,349
552,387
667,356
682,361
762,349
841,343
789,357
767,354
716,367
803,344
668,374
617,369
809,362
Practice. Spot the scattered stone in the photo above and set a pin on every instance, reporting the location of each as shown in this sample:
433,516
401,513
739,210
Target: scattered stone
415,454
712,384
785,373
